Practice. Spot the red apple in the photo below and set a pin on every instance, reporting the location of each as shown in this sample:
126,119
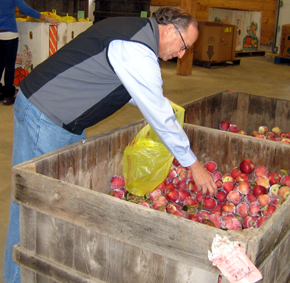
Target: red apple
194,217
235,172
227,178
284,192
243,177
242,209
204,214
250,222
274,178
255,133
233,128
172,207
172,194
228,186
234,197
155,193
217,175
209,203
261,220
210,166
276,131
270,135
117,182
263,200
244,188
262,181
232,224
228,207
161,187
261,170
254,208
192,186
175,162
217,209
259,190
183,194
215,219
224,125
190,201
247,166
241,132
250,198
181,185
269,209
221,196
285,180
263,130
283,135
219,183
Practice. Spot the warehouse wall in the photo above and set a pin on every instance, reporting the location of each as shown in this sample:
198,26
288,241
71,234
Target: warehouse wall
268,8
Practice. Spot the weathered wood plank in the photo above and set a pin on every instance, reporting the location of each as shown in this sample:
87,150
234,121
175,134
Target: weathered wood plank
275,266
54,271
27,275
261,112
108,259
282,115
55,239
247,111
27,232
111,216
115,261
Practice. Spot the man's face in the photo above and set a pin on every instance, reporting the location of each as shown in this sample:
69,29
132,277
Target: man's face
171,44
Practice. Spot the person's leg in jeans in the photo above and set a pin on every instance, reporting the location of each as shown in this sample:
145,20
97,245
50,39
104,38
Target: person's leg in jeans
9,48
34,135
1,66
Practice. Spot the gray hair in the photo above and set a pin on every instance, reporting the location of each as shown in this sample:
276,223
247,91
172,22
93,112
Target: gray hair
175,16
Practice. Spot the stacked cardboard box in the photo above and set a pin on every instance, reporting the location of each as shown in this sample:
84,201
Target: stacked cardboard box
248,26
216,42
285,41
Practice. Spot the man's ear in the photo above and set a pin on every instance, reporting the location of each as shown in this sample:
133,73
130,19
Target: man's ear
170,28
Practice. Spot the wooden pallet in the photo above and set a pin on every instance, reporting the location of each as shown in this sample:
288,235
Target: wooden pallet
210,64
282,60
250,53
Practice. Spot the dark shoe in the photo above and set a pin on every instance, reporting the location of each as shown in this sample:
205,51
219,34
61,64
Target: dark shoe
8,100
1,95
8,94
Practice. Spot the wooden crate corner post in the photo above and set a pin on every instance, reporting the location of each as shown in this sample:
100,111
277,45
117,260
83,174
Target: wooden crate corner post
184,65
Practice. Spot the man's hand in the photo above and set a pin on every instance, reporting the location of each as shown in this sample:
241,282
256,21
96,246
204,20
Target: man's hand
203,179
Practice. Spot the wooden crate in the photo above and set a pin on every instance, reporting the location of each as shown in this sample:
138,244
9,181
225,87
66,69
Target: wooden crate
120,8
247,111
71,230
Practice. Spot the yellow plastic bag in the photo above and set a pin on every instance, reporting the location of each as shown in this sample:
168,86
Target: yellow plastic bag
84,20
146,160
21,19
52,14
68,19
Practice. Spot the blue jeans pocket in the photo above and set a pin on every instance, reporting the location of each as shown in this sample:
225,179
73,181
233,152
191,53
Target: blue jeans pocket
21,107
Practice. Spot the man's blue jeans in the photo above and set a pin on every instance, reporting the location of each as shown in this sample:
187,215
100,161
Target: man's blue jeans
34,135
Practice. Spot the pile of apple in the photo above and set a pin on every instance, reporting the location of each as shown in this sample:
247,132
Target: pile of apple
247,196
263,132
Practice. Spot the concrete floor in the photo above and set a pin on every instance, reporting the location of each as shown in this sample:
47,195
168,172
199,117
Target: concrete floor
255,75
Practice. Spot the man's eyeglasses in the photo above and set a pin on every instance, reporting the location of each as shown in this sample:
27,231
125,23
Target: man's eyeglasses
184,47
